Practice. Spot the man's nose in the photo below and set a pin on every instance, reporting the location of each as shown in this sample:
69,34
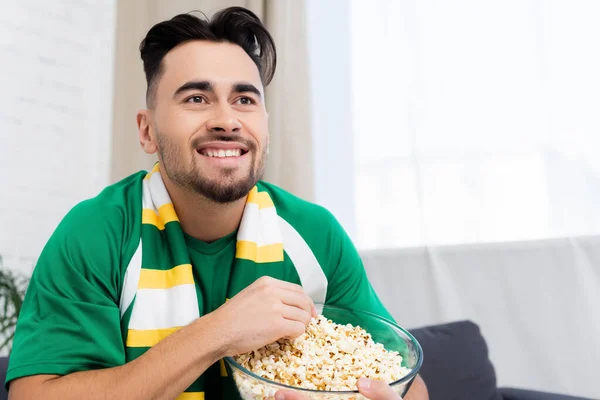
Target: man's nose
224,120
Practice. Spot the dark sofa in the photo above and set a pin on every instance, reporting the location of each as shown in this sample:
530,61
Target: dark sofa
456,366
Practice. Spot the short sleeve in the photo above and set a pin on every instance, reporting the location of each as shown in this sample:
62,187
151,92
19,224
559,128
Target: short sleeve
348,284
70,319
349,288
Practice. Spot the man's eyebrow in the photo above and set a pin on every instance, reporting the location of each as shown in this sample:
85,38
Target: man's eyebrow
204,86
246,88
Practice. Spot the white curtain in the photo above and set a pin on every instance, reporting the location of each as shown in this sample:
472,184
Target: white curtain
287,96
475,155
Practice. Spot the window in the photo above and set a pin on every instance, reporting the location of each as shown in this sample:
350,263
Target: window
474,121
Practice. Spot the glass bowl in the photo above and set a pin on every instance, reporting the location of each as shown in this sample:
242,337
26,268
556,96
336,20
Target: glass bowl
392,336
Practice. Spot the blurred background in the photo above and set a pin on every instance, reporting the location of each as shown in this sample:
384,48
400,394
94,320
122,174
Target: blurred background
457,142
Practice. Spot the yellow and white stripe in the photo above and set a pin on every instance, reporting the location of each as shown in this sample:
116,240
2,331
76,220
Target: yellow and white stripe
164,308
157,209
147,337
131,279
149,212
160,311
191,396
176,276
259,237
165,300
307,266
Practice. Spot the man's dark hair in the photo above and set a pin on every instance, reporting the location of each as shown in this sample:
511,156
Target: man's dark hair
235,25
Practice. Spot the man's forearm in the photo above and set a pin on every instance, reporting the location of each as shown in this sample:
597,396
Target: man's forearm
163,372
418,390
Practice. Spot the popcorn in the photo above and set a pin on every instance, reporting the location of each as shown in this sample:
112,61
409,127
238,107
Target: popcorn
327,357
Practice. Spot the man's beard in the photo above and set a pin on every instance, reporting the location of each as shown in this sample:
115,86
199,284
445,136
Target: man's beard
221,190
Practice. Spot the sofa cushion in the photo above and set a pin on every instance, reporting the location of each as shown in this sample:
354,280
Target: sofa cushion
456,364
521,394
3,368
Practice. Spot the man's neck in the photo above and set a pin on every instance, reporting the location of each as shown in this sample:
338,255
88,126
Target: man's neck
202,218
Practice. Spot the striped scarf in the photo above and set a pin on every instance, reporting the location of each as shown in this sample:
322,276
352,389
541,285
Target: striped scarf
160,279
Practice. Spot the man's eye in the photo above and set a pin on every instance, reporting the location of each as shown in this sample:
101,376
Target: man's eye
246,100
195,99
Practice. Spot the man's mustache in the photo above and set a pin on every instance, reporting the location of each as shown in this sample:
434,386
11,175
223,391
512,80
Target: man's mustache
197,142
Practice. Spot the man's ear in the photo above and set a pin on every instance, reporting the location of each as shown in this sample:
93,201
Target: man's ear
147,137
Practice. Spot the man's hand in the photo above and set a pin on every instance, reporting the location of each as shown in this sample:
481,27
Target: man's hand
371,389
262,313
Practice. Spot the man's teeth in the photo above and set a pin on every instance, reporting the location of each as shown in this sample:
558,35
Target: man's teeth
223,153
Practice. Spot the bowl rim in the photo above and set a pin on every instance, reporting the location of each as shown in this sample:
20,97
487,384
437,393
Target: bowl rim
407,378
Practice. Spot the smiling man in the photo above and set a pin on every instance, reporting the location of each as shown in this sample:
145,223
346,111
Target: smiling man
142,290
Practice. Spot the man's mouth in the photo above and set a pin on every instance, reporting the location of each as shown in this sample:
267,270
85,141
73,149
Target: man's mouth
222,149
221,152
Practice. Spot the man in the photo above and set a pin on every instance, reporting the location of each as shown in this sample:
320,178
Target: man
142,290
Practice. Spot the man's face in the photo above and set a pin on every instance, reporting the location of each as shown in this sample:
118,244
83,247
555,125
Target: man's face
209,120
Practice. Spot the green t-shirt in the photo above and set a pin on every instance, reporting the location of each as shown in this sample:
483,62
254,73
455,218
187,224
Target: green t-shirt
71,320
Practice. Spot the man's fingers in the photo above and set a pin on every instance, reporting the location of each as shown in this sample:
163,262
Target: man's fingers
294,329
376,390
299,300
296,314
267,280
297,296
289,395
371,389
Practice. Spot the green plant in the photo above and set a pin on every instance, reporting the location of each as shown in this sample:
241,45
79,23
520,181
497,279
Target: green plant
12,292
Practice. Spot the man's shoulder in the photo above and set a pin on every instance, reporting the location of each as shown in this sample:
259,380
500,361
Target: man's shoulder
95,238
116,207
292,208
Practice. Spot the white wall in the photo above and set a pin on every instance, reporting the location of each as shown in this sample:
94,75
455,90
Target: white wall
55,116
